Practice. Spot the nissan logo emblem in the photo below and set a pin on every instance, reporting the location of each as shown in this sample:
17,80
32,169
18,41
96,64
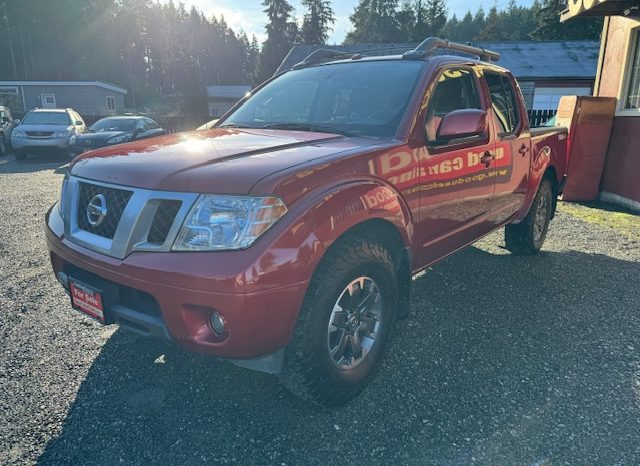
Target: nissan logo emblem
96,210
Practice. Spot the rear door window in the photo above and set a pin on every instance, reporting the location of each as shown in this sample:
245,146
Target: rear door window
503,102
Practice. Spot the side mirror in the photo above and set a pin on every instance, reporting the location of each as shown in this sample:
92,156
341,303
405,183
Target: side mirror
462,124
16,121
79,123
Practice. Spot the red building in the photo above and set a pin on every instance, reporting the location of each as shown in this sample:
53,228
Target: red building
618,76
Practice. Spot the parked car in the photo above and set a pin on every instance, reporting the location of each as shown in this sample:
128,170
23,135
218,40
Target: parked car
46,131
115,130
6,126
285,238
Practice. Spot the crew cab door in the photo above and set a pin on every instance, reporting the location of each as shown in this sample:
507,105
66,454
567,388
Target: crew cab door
512,144
456,185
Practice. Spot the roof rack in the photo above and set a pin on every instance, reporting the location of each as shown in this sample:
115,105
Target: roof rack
431,44
324,55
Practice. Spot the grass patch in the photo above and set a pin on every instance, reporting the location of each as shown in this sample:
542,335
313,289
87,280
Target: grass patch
606,215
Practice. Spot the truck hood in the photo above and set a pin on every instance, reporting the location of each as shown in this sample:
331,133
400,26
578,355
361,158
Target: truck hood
217,161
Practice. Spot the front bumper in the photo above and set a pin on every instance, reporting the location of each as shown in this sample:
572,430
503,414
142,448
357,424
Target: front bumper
40,144
180,292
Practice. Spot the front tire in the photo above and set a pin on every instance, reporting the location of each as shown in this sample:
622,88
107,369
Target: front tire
526,237
346,320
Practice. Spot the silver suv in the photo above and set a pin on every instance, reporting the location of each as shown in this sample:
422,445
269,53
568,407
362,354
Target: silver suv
46,131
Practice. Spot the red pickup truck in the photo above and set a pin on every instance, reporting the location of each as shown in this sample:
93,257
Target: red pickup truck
284,239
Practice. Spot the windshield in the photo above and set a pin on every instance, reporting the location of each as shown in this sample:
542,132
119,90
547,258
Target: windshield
114,124
47,118
356,98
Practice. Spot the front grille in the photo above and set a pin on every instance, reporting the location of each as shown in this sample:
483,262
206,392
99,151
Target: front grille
40,134
162,221
117,200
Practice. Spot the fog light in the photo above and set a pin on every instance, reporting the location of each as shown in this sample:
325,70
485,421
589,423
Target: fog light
217,323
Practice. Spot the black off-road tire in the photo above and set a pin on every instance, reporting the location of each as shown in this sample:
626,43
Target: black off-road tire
309,370
19,154
527,237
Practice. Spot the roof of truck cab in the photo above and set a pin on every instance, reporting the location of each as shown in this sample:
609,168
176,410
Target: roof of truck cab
459,59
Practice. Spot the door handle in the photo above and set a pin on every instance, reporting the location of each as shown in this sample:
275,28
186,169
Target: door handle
486,159
523,150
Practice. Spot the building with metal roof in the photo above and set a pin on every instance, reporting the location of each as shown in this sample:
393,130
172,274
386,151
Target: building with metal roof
86,97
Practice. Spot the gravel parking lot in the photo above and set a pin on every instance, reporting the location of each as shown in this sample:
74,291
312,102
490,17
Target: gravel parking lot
505,360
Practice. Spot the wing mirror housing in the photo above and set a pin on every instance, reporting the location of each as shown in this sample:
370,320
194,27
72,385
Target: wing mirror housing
463,123
16,121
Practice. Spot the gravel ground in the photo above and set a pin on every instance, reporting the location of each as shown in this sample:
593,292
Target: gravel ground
505,360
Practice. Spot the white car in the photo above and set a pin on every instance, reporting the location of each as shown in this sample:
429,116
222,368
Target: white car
46,131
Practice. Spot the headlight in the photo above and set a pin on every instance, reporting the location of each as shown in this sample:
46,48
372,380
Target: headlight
63,195
18,134
227,222
62,134
118,139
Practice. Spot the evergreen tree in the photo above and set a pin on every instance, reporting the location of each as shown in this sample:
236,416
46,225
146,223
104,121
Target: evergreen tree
282,33
492,30
406,17
317,21
436,17
550,28
375,21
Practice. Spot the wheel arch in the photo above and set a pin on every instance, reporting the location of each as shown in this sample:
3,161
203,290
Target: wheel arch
388,235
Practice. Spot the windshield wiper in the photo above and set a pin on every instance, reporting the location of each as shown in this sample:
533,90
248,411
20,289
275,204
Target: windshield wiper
306,127
236,125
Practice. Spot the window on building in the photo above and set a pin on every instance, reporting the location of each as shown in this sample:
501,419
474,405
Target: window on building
632,99
111,103
503,101
456,90
548,98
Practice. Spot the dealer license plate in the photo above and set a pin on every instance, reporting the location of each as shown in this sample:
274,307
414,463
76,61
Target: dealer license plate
87,299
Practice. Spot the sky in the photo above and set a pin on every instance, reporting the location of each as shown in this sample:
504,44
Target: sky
247,15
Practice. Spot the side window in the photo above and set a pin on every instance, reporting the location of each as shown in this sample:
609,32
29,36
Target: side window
503,101
456,90
151,124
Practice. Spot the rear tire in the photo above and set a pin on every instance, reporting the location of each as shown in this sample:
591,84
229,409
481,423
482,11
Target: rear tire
19,154
346,320
526,237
